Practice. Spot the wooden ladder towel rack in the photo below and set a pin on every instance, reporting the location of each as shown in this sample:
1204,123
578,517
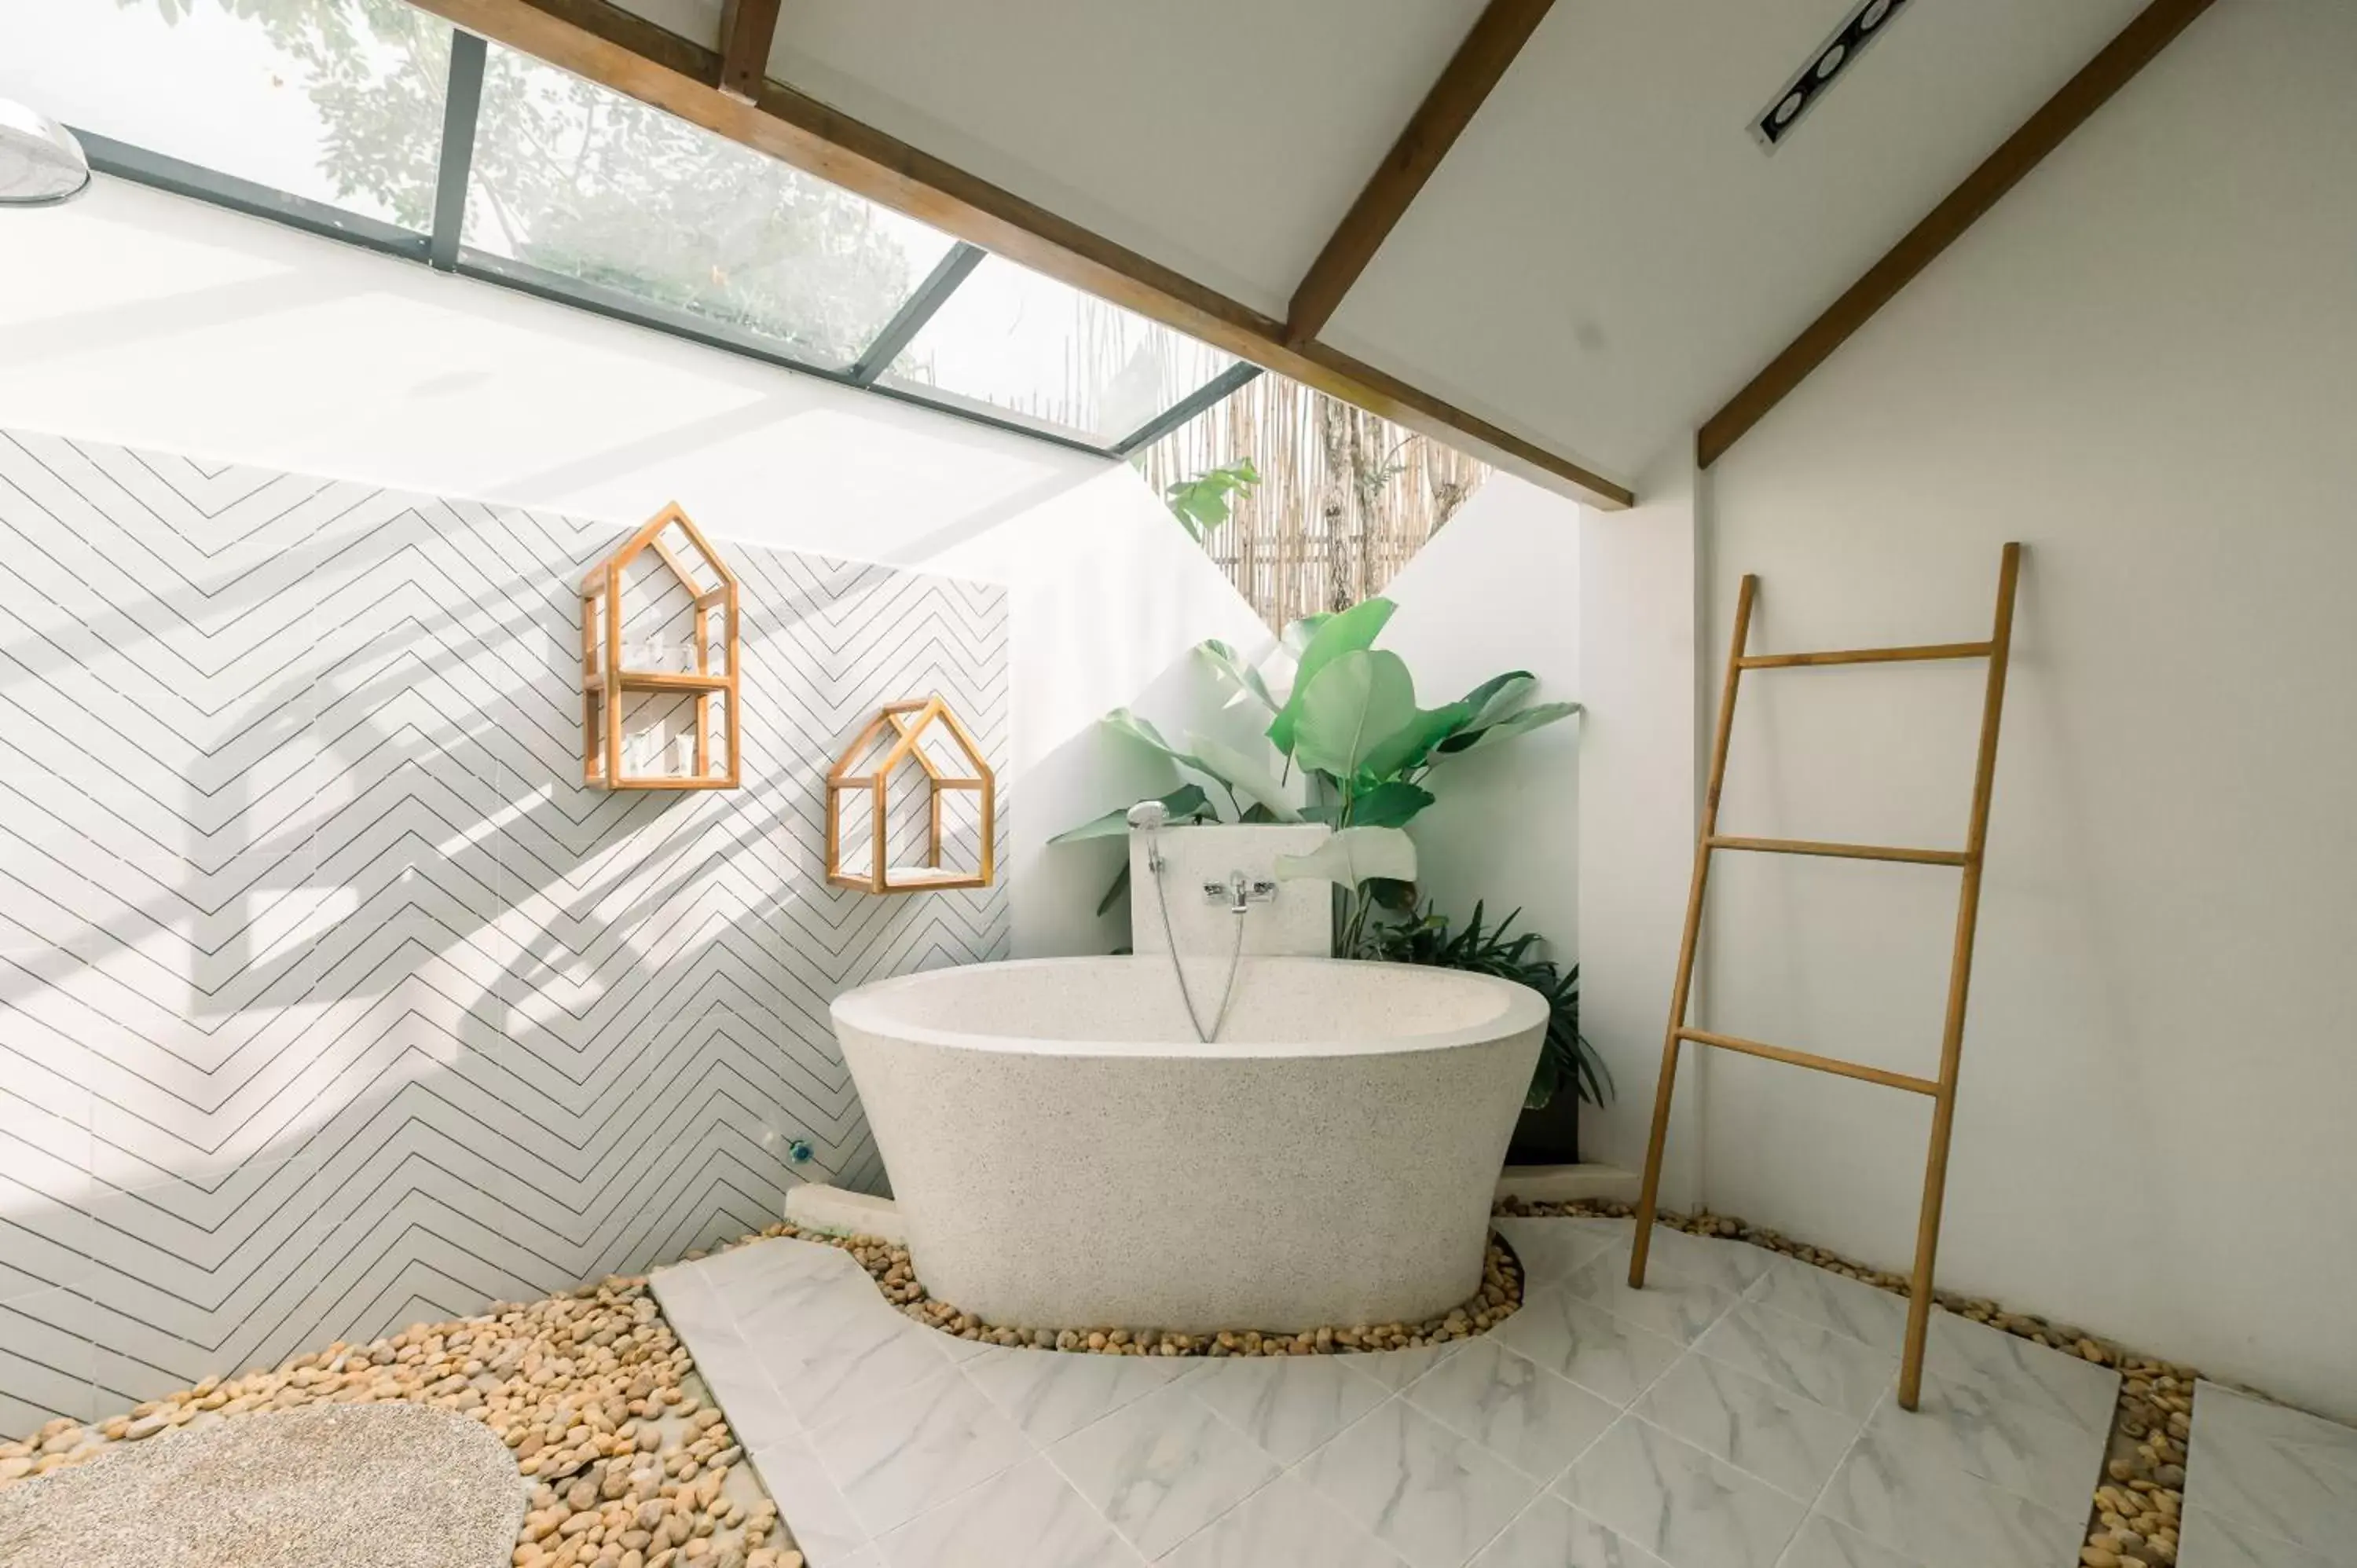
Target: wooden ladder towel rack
1942,1089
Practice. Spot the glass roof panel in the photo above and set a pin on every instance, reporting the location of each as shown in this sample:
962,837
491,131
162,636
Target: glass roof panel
575,179
339,103
1021,344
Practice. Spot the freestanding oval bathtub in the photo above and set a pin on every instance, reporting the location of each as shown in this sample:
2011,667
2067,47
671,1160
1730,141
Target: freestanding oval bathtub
1065,1154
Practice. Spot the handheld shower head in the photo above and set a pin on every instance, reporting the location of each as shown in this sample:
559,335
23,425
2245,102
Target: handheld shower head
1149,815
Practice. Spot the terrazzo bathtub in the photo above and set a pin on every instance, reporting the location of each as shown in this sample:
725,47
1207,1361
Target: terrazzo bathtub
1065,1154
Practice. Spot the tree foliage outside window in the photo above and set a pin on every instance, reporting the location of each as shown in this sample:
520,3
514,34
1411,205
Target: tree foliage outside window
577,179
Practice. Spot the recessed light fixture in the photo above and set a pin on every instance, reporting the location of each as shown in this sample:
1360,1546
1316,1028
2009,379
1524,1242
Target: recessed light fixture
1865,22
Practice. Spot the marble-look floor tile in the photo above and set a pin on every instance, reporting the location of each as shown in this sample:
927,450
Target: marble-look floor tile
2210,1541
1826,1542
1834,1301
756,1412
796,1318
851,1361
1707,1260
2024,1450
1287,1405
744,1273
2291,1473
1945,1518
1031,1515
1806,1359
917,1449
1397,1369
1670,1305
1052,1394
1791,1442
815,1511
691,1305
1550,1249
1688,1509
1551,1533
1571,1338
1284,1525
1162,1468
1431,1496
1526,1415
2010,1371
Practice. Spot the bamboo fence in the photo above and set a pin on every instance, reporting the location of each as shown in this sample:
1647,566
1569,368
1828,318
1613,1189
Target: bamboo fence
1345,497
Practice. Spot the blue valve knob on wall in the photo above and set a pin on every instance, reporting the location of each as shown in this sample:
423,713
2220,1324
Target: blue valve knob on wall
798,1151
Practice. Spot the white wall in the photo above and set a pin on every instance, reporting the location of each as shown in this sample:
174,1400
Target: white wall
1107,597
133,316
1637,805
1498,590
2144,364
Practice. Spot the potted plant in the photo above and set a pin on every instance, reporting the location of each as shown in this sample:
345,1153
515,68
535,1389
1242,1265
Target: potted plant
1569,1070
1357,753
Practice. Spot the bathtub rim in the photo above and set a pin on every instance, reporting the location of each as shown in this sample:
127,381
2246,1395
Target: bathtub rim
866,1008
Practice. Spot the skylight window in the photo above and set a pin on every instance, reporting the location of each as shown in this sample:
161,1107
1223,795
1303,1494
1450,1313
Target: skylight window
362,120
1046,353
573,178
343,108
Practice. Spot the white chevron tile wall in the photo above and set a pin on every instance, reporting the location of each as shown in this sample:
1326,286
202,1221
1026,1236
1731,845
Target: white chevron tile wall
329,1000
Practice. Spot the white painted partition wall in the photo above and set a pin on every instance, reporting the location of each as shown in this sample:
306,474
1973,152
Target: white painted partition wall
147,319
2144,364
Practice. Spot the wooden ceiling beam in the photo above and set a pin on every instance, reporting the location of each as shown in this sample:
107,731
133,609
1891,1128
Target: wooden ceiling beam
746,27
1497,37
608,45
2114,67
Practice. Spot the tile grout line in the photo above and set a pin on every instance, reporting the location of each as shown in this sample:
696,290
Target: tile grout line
1547,1488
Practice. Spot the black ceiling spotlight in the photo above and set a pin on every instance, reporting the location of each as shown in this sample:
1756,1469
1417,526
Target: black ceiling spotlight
1865,22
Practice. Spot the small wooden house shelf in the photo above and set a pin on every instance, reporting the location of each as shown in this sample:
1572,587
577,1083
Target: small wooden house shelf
926,745
659,663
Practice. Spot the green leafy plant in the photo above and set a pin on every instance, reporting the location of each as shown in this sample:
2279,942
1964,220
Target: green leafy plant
1350,725
1203,502
1427,937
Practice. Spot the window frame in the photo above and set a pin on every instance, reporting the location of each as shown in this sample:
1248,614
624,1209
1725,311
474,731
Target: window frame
442,249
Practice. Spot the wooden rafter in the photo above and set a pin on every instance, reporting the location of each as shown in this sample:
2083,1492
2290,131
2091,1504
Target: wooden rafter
1497,37
2114,67
745,28
606,44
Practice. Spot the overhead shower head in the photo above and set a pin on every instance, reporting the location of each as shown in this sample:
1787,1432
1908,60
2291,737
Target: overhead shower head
1149,814
40,162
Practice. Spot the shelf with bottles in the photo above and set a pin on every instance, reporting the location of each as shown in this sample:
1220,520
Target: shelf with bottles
660,625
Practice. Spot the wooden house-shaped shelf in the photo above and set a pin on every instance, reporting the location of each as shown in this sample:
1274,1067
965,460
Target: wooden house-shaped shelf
912,806
659,663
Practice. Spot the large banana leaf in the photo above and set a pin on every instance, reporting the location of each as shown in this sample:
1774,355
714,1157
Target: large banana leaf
1413,742
1389,804
1351,709
1185,803
1232,670
1338,636
1247,777
1353,856
1508,727
1297,636
1499,695
1123,722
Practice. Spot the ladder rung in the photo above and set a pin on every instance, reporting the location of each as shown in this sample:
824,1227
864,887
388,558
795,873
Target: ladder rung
1803,1059
1841,850
1867,656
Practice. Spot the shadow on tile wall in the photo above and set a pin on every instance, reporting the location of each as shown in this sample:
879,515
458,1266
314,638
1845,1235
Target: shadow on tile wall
330,1000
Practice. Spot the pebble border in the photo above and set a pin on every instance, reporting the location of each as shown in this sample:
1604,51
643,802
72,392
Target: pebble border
887,1262
2132,1521
591,1391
